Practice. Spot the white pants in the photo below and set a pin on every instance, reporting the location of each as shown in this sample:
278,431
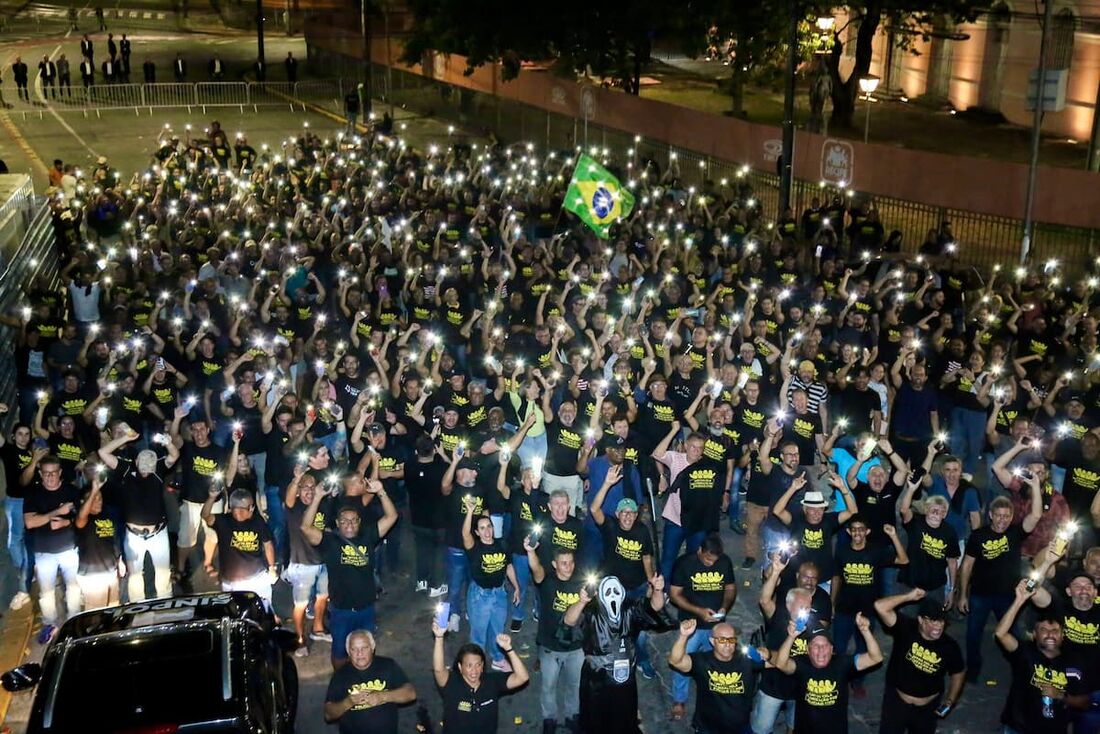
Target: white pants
573,485
100,589
191,523
134,548
260,583
46,566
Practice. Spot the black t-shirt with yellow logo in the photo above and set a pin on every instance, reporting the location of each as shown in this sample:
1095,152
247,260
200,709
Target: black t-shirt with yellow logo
241,546
700,486
556,596
928,549
703,585
996,560
822,700
623,551
803,429
350,570
98,546
919,667
198,465
1081,483
860,576
488,564
1080,629
568,535
383,674
815,543
724,691
1031,671
563,445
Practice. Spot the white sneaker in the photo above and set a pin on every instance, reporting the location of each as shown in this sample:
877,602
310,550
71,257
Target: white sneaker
19,601
301,652
452,623
438,591
421,585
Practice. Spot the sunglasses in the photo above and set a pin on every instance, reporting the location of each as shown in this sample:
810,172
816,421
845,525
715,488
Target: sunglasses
725,640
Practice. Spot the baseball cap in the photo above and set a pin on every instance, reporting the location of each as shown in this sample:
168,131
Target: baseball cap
1076,397
626,504
813,498
467,463
820,632
376,428
932,609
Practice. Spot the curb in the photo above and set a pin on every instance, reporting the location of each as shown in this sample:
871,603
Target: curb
15,634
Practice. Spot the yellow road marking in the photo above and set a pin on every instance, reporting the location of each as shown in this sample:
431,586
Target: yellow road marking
15,634
13,130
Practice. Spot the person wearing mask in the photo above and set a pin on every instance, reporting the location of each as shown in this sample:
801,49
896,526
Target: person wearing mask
306,572
990,568
725,678
922,658
365,695
471,695
704,590
347,555
1047,683
560,657
48,513
821,676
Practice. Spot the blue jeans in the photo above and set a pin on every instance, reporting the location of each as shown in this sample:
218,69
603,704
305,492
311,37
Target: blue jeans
532,447
681,684
342,622
968,436
736,496
641,646
523,578
276,520
458,575
487,610
765,710
17,541
771,538
980,607
671,538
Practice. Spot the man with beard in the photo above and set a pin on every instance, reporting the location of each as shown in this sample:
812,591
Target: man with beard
563,445
922,656
1046,681
609,629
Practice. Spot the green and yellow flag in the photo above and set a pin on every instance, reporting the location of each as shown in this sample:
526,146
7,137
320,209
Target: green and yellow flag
596,196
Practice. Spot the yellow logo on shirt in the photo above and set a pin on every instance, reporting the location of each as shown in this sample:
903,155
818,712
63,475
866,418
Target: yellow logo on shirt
564,539
813,538
702,479
1081,633
563,600
994,548
821,692
204,466
1086,479
245,541
707,581
1042,676
351,555
630,550
933,546
104,528
370,686
726,684
859,574
493,562
922,658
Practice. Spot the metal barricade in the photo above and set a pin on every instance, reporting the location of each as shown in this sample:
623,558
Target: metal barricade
327,92
171,94
222,94
273,93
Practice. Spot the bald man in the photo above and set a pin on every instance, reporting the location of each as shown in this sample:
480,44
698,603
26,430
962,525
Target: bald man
725,678
364,696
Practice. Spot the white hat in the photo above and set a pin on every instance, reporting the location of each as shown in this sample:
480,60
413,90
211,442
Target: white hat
813,498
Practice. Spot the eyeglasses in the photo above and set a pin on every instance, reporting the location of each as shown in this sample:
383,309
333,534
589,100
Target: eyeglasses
49,472
725,640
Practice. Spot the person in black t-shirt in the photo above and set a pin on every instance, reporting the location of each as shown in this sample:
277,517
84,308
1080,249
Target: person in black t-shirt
200,462
858,582
423,479
932,545
17,456
1046,681
364,696
627,546
990,569
813,531
725,679
822,676
487,599
306,572
48,512
471,695
922,657
100,556
560,657
347,553
704,589
246,548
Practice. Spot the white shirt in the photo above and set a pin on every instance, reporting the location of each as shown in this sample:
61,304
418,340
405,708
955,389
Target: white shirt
85,305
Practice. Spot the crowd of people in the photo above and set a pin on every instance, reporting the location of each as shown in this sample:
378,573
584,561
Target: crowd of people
282,365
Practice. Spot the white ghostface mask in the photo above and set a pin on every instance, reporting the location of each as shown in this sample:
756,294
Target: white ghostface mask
611,596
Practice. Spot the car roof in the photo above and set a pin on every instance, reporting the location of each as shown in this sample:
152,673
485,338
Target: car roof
212,607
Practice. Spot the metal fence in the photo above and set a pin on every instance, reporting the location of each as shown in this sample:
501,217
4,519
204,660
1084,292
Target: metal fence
984,239
35,256
141,98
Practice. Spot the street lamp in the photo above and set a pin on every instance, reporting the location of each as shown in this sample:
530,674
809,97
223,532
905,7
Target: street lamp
868,84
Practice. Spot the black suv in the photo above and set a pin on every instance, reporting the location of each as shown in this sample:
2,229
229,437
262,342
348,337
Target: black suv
203,663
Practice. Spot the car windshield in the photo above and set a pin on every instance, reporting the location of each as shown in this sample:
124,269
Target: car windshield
170,678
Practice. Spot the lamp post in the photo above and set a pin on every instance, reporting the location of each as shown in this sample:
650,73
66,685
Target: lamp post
786,159
868,84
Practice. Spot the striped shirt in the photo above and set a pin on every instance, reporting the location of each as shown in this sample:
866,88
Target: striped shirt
816,393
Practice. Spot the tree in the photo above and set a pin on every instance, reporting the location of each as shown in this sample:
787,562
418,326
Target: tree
911,19
608,38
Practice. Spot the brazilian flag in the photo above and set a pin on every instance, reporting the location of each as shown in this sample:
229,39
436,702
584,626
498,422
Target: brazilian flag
596,196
